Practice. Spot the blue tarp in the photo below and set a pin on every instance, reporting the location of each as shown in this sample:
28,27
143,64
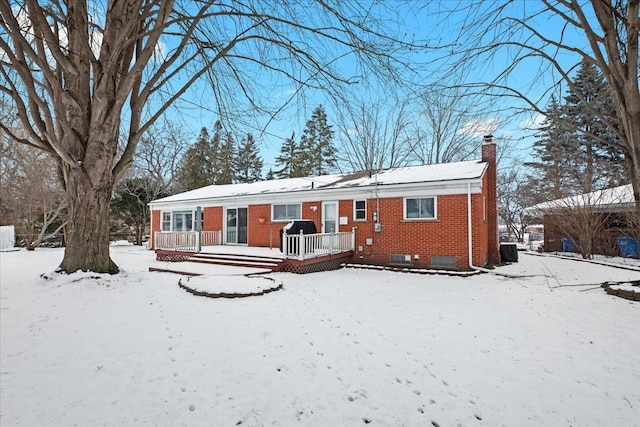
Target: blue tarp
628,246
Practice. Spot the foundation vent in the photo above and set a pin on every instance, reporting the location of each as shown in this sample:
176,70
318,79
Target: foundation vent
438,261
399,259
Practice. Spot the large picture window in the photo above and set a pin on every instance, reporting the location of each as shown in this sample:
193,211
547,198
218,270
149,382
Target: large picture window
420,208
182,221
286,212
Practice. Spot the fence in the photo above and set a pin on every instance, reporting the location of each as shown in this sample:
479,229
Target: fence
306,246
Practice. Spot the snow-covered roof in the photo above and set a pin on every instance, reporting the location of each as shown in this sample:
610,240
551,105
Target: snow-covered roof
608,198
457,171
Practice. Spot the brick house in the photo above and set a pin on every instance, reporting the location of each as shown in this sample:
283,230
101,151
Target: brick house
432,216
608,215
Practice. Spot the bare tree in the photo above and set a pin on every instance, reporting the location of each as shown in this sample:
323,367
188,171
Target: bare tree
78,78
514,198
584,218
526,46
448,125
373,135
158,155
30,193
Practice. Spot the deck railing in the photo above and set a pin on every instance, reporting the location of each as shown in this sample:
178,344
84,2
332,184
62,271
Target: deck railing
294,246
211,238
306,246
186,240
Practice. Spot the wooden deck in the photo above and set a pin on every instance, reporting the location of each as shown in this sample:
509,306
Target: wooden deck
254,260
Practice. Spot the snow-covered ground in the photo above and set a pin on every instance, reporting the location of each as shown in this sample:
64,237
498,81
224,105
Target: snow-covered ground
341,348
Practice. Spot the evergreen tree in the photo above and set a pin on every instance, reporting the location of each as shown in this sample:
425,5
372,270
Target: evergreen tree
586,106
316,144
194,171
248,163
270,175
289,159
130,202
200,164
575,151
552,176
216,151
226,160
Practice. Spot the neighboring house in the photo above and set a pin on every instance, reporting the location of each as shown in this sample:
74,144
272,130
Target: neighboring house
603,216
433,216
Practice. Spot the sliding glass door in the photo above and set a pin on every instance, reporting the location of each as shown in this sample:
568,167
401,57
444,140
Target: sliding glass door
237,226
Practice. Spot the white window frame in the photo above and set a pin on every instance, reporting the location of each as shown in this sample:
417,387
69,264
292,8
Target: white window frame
164,222
184,213
356,210
435,208
286,218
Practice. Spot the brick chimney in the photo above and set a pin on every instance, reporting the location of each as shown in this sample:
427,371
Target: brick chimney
489,156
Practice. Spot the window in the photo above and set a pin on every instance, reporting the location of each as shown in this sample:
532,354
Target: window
166,221
183,221
286,212
360,210
423,208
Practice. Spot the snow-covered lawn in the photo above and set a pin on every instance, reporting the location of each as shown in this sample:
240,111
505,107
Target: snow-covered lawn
339,348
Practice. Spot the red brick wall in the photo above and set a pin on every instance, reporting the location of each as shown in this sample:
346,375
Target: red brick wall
155,226
489,156
345,208
552,235
480,215
313,211
262,231
212,217
444,236
260,227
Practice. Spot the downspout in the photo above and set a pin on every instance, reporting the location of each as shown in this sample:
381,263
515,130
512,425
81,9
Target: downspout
469,228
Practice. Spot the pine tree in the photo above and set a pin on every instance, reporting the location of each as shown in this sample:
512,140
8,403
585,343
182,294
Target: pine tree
591,98
194,167
552,175
226,160
270,175
316,144
200,164
289,159
215,148
248,163
570,154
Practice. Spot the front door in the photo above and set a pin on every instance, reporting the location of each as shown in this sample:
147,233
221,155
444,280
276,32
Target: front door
237,225
330,217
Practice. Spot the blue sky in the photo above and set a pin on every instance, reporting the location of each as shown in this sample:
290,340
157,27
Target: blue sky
197,108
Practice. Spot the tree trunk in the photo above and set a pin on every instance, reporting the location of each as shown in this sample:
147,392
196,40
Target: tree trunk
87,238
139,231
632,130
633,164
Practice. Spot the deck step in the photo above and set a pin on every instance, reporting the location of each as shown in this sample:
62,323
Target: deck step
269,263
237,257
